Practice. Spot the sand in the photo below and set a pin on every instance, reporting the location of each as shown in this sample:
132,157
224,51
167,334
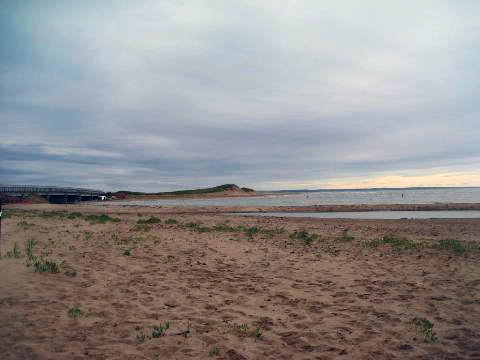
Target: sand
248,294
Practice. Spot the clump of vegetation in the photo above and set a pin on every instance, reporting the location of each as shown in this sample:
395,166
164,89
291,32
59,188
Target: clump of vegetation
101,219
150,221
214,352
452,244
141,338
247,189
395,242
160,330
193,225
29,245
40,264
15,252
92,218
167,259
225,227
258,333
244,330
45,265
88,235
74,215
142,227
249,231
225,187
51,214
304,236
126,252
347,237
171,221
157,331
197,226
425,328
75,312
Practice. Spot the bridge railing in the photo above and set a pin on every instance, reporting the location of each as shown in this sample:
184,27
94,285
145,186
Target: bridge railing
46,189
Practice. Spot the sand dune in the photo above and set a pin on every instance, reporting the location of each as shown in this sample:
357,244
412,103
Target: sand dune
250,294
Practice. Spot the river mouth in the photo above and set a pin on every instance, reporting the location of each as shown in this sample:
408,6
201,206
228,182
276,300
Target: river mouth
373,215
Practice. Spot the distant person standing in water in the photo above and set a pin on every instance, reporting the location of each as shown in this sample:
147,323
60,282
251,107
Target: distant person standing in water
402,195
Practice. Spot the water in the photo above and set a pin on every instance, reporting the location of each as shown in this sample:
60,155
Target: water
328,197
452,214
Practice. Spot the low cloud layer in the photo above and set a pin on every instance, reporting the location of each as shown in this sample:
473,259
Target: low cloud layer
162,95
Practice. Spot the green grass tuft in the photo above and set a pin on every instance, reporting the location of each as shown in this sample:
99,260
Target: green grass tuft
150,221
347,237
141,338
452,244
15,252
74,215
258,333
395,242
45,265
160,330
101,219
425,328
29,245
75,312
251,231
7,214
214,352
197,226
304,236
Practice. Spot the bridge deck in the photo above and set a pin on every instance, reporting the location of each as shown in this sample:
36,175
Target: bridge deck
16,190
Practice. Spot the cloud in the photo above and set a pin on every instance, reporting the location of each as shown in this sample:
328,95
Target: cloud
166,95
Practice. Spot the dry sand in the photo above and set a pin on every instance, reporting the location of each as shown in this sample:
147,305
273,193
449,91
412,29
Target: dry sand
252,295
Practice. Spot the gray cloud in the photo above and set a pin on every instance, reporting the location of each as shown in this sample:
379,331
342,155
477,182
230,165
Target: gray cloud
166,95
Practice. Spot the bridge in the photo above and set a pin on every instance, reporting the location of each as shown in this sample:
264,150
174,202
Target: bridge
54,194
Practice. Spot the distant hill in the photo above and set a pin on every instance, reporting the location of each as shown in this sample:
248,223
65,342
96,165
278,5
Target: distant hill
227,189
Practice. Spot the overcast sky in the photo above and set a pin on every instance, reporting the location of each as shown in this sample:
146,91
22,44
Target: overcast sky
162,95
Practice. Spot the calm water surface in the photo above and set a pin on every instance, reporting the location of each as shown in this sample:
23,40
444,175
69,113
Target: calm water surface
328,197
452,214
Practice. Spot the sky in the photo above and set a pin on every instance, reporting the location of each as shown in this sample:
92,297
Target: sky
167,95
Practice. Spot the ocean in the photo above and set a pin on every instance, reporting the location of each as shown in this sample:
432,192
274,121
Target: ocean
328,197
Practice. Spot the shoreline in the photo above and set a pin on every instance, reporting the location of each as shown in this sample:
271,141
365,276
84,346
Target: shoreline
112,208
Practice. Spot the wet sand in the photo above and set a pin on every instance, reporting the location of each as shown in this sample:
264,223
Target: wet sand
242,285
112,207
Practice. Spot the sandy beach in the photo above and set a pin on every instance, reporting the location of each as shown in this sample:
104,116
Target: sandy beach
169,283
